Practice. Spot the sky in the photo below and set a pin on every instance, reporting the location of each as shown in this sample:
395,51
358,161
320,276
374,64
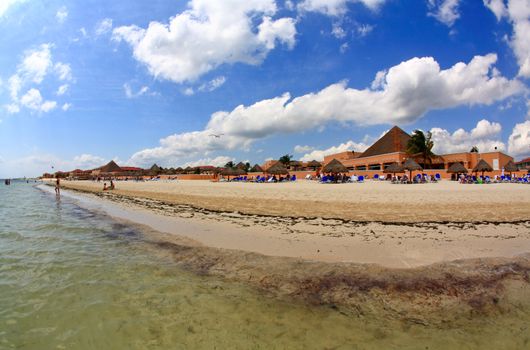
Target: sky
201,82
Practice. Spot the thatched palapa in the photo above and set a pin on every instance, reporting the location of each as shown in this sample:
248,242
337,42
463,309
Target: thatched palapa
482,166
314,164
256,169
394,168
277,169
457,168
334,167
110,167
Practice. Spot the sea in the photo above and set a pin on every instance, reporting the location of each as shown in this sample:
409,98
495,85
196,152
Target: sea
73,278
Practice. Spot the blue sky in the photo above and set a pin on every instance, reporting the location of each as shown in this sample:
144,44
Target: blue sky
150,81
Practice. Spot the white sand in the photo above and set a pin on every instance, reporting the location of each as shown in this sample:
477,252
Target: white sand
393,245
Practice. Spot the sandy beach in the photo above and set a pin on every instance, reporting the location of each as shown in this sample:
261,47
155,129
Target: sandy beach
310,221
426,274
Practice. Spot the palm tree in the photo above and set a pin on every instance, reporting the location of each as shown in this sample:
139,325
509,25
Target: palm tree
474,149
421,144
230,164
286,159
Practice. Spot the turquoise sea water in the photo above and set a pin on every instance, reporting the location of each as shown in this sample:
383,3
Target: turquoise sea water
75,279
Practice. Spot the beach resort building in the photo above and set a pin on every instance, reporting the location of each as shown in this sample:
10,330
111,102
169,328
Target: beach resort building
392,148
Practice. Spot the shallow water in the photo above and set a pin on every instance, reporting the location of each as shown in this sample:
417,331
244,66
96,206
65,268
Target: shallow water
76,279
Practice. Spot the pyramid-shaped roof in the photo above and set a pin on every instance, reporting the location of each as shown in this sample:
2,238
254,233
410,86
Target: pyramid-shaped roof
110,167
395,140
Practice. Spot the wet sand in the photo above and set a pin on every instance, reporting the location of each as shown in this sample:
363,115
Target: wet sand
390,244
420,274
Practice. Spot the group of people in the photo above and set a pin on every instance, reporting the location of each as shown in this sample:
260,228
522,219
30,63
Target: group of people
472,179
108,188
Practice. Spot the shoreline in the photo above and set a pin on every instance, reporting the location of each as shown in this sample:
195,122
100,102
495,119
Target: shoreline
427,295
402,245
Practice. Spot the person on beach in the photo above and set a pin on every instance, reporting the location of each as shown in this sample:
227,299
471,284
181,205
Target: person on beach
105,186
58,187
111,187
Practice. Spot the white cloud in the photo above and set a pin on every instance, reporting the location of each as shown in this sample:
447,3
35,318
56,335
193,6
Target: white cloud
337,31
485,135
62,89
336,7
87,161
344,47
364,29
403,94
217,161
39,163
303,149
61,14
188,91
213,84
35,64
63,71
343,147
517,12
12,108
104,26
130,94
519,140
6,4
33,100
32,70
445,11
66,106
207,35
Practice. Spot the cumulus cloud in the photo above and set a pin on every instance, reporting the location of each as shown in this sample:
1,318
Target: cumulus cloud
6,4
34,67
66,106
343,147
303,149
445,11
517,12
104,26
519,140
403,94
33,100
217,161
485,135
207,35
336,7
61,14
37,164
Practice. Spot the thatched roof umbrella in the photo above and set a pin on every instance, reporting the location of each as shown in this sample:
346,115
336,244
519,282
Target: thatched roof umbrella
457,168
179,170
241,166
510,167
411,165
334,167
482,166
314,164
294,164
393,169
232,172
256,169
277,169
188,170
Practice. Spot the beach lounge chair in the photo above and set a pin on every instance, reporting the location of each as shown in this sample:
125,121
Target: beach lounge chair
293,178
438,177
376,177
360,179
